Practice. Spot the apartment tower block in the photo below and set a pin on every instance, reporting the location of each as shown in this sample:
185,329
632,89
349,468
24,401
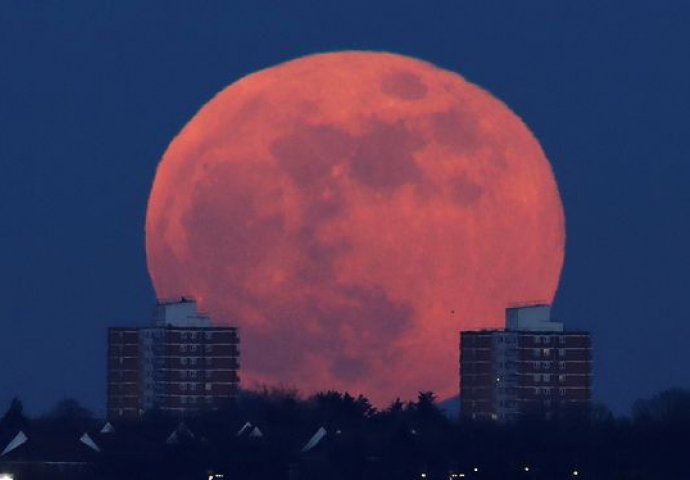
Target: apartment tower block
532,367
179,364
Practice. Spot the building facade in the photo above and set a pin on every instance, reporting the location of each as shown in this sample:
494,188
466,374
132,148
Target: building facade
179,364
532,367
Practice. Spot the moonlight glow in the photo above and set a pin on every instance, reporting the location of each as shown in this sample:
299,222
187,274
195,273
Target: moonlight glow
338,207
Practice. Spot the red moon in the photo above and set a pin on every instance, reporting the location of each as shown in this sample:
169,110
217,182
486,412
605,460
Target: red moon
352,212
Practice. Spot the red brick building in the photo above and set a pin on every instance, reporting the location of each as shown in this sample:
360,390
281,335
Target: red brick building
533,367
180,364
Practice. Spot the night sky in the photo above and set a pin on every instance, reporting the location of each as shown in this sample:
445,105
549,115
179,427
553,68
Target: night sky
91,93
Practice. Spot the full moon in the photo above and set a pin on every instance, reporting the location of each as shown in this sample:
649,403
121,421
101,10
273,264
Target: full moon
351,213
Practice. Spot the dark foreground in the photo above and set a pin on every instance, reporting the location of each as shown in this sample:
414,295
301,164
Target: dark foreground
334,436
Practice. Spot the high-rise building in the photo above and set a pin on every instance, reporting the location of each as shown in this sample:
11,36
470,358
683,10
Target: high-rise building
532,367
179,364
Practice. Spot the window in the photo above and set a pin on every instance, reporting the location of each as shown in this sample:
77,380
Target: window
192,387
209,387
183,348
546,378
535,352
561,352
561,365
183,386
561,378
537,378
192,348
183,360
546,352
209,335
192,361
209,348
561,392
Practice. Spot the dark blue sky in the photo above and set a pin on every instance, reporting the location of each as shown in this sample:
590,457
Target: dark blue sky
92,92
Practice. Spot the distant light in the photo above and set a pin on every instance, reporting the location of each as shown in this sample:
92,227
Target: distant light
6,476
461,475
575,473
526,469
476,469
423,475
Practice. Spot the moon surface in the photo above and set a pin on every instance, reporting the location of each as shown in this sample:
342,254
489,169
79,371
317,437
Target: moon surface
352,212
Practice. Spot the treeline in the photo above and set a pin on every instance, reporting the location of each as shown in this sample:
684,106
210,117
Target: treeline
406,440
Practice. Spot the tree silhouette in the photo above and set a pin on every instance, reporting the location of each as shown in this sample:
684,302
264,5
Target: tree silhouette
14,418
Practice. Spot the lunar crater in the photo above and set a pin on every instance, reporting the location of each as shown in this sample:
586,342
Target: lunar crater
404,85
